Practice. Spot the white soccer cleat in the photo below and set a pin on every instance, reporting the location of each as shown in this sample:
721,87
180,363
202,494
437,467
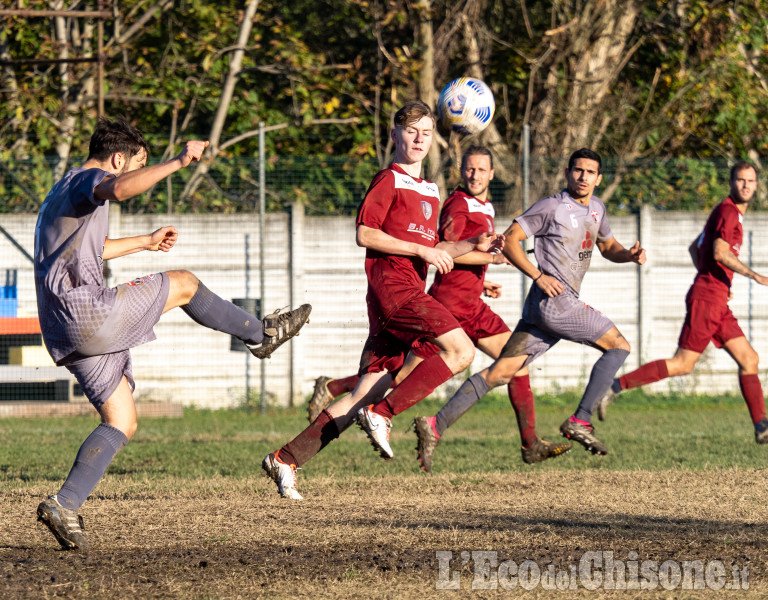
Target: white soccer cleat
377,428
283,475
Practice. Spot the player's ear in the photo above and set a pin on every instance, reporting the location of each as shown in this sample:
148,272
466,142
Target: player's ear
117,161
599,179
492,174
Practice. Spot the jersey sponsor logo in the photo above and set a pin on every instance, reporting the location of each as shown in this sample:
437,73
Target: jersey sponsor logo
586,247
425,188
425,232
426,208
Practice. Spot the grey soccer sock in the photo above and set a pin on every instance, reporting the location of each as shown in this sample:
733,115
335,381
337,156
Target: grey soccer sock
465,398
600,380
92,460
212,311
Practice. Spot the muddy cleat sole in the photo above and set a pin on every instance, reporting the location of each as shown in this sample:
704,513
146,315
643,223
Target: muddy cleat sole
321,398
65,524
427,442
377,429
283,475
584,435
279,328
604,403
541,450
761,432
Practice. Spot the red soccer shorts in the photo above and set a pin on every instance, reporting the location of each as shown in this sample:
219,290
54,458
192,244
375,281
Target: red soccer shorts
420,318
707,321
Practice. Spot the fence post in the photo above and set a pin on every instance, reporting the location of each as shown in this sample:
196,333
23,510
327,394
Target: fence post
296,291
644,287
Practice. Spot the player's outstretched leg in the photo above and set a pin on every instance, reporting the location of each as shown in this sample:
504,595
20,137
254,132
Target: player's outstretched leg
377,428
761,431
65,524
427,440
541,450
282,474
607,399
279,328
583,433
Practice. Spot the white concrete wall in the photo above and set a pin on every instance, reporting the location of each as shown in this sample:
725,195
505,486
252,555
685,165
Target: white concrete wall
195,366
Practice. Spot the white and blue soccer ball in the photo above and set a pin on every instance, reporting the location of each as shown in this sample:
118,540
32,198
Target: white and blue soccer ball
466,105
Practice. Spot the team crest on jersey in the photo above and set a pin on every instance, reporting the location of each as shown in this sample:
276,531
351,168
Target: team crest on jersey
426,208
569,206
141,280
595,216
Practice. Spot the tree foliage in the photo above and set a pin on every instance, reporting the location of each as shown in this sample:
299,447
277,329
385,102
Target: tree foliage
656,86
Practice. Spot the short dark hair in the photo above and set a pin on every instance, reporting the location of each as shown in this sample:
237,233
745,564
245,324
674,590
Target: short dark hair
740,166
586,153
114,136
476,150
412,111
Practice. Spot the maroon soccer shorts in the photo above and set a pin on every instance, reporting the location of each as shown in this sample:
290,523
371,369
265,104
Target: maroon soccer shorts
409,326
707,321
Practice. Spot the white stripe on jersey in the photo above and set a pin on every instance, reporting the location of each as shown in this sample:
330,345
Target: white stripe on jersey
425,188
474,206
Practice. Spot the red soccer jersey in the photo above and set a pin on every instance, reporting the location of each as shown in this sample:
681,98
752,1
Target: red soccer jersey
463,216
406,208
713,279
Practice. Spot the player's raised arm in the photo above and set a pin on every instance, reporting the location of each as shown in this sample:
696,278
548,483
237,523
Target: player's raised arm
139,180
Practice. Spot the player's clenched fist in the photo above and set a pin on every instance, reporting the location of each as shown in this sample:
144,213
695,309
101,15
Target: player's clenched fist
439,258
489,242
163,239
192,152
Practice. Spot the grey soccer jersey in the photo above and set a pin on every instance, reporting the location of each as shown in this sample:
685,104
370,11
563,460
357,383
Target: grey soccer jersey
72,302
565,236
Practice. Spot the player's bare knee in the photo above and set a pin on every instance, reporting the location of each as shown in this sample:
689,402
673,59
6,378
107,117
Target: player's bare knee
749,362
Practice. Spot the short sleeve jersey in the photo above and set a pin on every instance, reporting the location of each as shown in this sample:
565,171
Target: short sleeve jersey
565,235
462,216
406,208
72,227
713,279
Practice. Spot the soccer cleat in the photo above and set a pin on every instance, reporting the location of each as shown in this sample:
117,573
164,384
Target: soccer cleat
584,435
279,328
605,401
761,432
65,524
283,475
377,428
321,398
427,441
541,450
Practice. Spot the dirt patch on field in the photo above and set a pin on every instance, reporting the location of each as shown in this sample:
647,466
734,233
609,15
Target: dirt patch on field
397,537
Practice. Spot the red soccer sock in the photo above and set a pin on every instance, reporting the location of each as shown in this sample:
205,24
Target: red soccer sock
752,391
309,442
521,398
418,385
337,387
648,373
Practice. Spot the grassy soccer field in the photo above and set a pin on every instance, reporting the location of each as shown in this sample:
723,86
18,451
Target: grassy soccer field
184,512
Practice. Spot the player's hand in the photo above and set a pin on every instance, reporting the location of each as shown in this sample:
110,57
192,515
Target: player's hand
192,152
500,259
489,242
163,239
491,290
637,254
549,285
439,258
761,279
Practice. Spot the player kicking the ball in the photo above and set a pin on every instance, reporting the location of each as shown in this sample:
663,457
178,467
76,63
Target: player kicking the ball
715,254
89,328
397,224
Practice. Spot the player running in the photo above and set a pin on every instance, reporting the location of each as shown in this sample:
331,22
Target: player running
715,255
566,227
397,224
89,328
467,211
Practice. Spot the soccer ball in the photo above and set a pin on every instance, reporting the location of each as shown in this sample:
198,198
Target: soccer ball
466,105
